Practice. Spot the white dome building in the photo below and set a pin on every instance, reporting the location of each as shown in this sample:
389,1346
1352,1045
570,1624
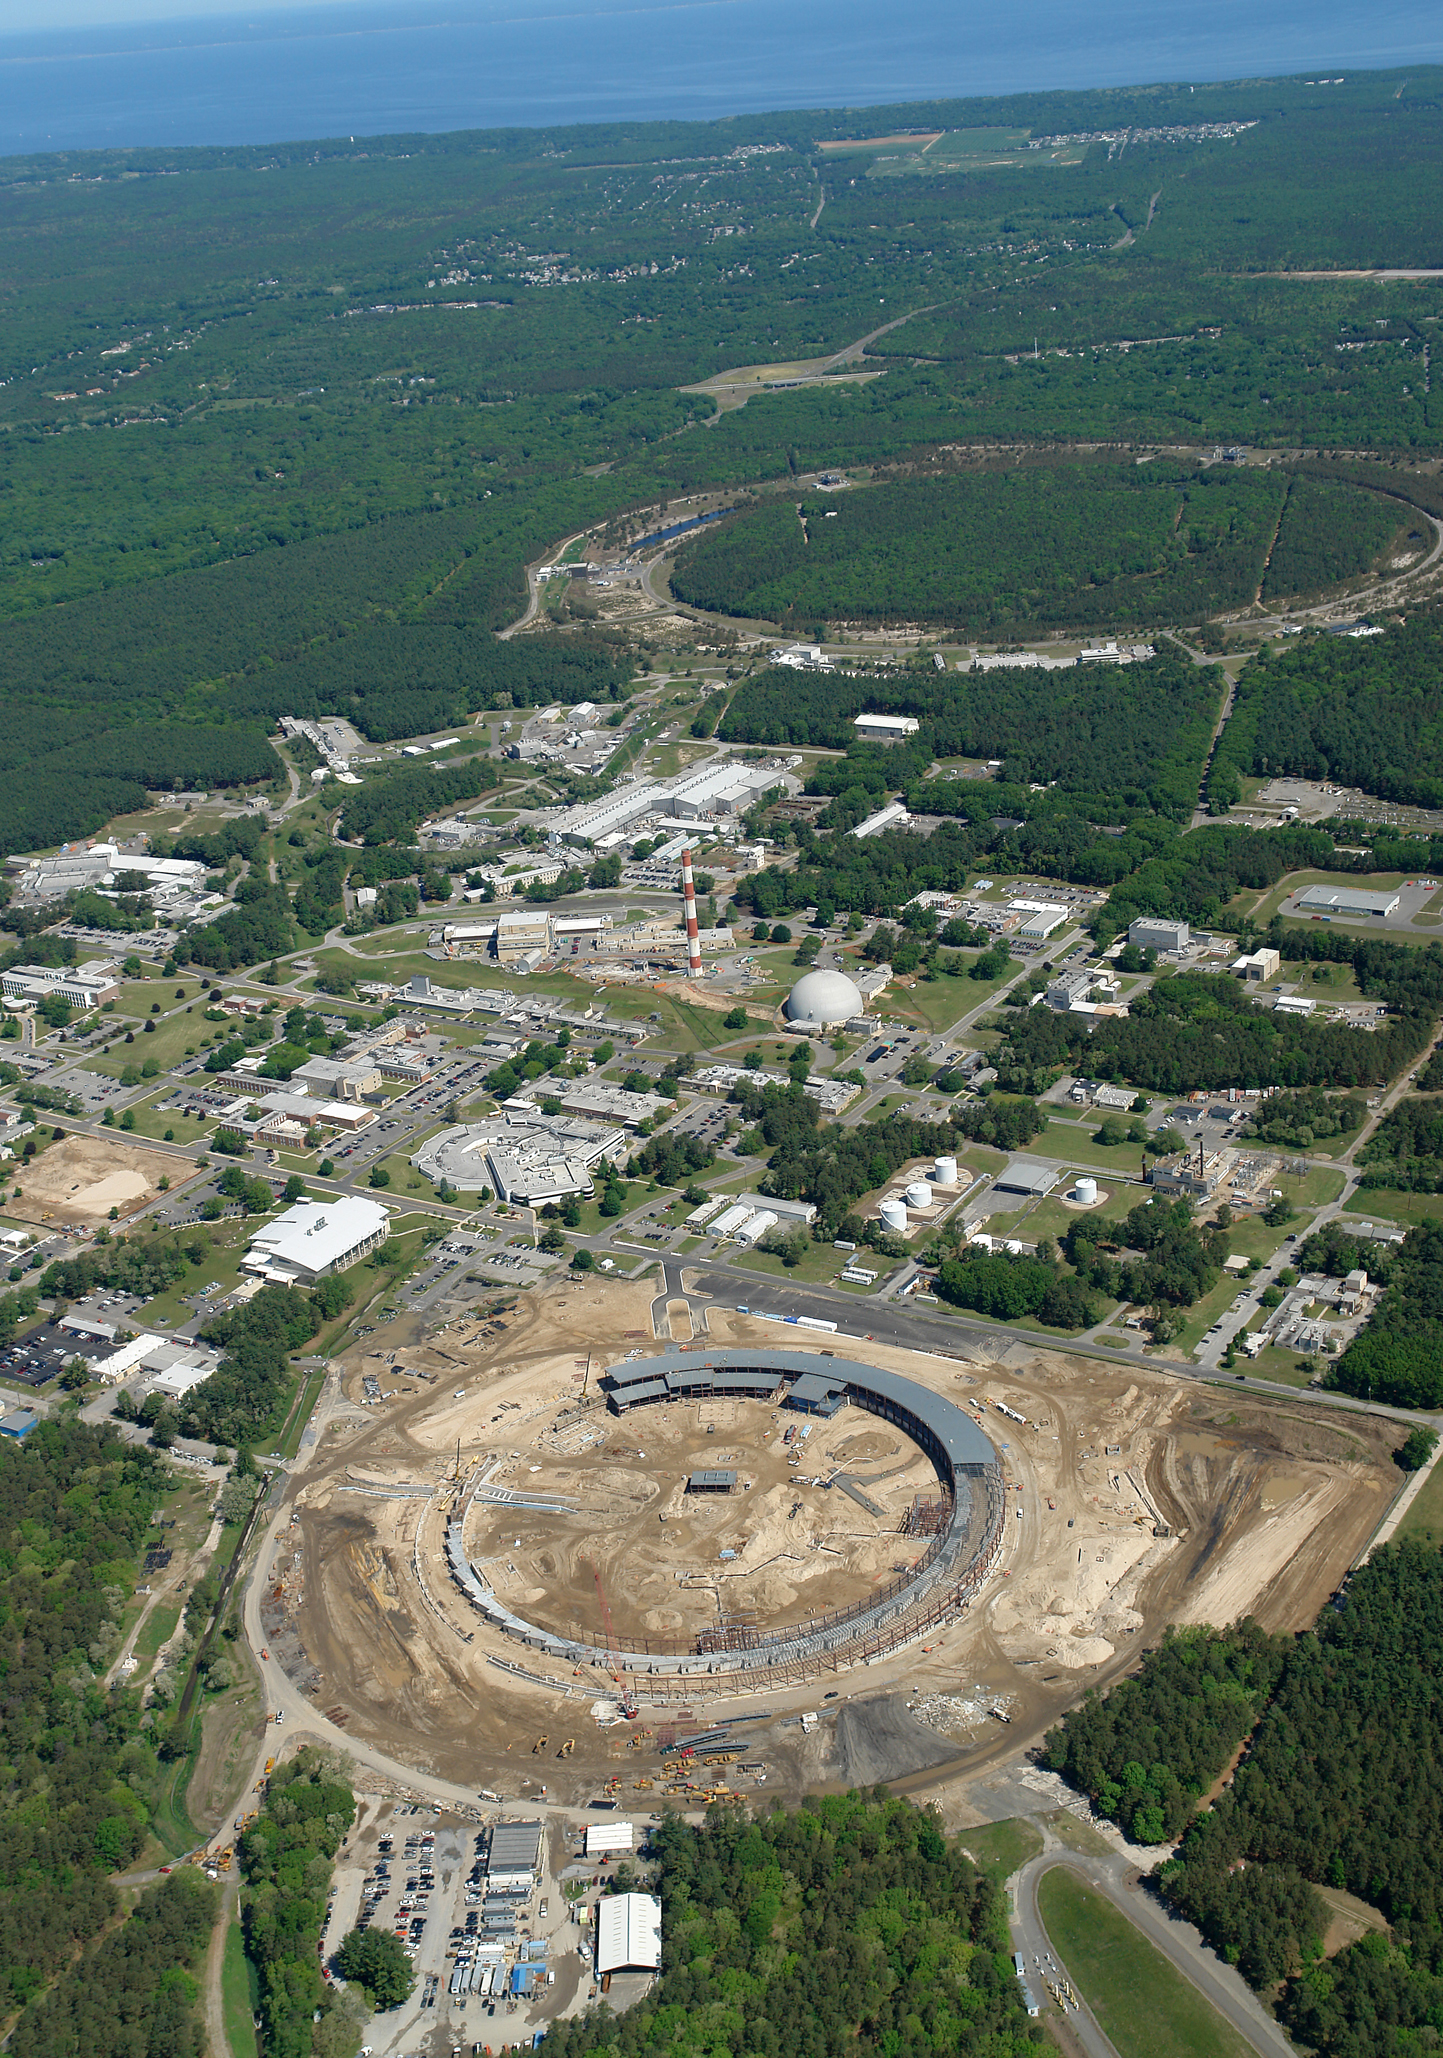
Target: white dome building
821,999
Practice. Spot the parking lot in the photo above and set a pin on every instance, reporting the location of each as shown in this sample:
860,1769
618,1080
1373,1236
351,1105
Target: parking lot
492,1966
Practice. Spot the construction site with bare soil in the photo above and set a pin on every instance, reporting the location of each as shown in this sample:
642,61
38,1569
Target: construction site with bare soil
484,1552
84,1180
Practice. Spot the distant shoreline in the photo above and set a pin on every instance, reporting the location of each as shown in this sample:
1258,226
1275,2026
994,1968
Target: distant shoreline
346,69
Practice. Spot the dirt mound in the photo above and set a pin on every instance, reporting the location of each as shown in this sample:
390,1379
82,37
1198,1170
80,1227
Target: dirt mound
882,1739
82,1178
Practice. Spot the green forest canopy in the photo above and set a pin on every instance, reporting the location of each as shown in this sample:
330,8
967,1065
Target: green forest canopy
991,552
328,483
1339,1785
849,1924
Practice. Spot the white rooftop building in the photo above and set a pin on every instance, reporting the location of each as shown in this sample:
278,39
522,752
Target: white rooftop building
316,1237
884,728
604,1837
893,816
521,1154
628,1933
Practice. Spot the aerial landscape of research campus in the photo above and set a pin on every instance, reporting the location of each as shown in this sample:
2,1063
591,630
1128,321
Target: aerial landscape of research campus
722,1097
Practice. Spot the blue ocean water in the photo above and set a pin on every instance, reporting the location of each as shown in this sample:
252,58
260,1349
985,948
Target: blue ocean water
361,70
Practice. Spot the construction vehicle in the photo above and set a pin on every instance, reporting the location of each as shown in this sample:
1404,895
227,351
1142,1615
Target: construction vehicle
567,1748
539,1745
270,1764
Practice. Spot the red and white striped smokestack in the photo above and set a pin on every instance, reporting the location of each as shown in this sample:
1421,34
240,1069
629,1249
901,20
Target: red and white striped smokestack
688,895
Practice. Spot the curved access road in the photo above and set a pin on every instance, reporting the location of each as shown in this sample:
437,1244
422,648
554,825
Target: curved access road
1180,1943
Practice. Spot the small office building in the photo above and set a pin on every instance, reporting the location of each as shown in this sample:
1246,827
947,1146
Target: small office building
715,1481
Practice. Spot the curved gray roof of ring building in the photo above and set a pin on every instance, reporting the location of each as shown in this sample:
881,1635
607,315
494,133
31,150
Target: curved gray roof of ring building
952,1428
950,1436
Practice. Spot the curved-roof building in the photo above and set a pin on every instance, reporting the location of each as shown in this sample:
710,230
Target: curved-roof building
821,998
935,1589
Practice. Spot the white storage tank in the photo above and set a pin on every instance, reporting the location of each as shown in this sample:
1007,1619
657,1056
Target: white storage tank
1085,1192
918,1194
894,1215
944,1171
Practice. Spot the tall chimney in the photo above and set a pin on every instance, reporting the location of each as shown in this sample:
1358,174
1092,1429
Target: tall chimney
688,895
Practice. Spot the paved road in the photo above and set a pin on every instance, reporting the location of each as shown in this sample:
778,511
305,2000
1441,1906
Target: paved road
866,1319
1178,1941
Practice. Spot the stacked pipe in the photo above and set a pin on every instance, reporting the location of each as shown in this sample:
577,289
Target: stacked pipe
693,940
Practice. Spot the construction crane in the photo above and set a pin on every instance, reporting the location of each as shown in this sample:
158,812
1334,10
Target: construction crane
613,1660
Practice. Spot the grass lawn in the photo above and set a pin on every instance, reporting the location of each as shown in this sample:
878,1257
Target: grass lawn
150,1121
1141,2002
139,996
406,1181
1052,1217
1382,1204
681,1026
1424,1517
240,1994
159,1625
174,1036
1281,1366
937,1003
1315,1189
1330,1146
820,1264
1321,982
593,1222
1061,1139
1003,1848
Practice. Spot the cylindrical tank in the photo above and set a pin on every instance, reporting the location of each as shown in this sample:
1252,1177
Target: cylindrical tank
894,1215
918,1194
944,1171
1086,1193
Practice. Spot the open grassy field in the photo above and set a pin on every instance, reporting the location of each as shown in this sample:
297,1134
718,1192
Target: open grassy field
820,1264
159,1625
1142,2004
169,1125
175,1035
240,1993
1288,1368
937,1003
1382,1204
406,1181
1424,1517
1002,1848
1074,1140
